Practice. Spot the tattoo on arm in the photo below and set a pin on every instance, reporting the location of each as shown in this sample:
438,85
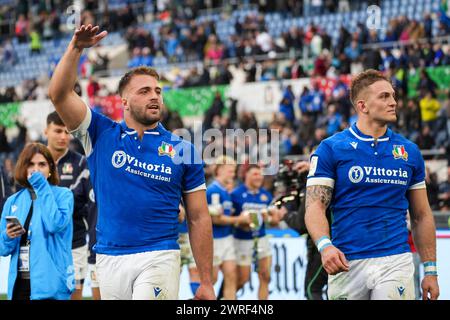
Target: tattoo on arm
321,193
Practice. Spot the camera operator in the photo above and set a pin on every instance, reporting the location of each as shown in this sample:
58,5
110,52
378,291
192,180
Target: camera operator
292,181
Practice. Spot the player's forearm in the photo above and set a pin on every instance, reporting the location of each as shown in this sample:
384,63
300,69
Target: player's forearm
317,200
424,235
200,237
316,221
65,75
224,220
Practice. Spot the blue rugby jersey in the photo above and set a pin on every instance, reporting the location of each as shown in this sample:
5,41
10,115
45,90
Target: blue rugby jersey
220,231
370,180
243,199
138,184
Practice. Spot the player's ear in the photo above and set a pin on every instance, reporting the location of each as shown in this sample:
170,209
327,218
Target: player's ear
361,106
125,104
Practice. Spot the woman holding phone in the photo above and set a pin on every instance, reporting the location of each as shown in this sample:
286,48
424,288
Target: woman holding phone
40,241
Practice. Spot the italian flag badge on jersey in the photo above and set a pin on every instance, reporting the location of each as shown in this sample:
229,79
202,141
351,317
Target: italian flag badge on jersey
166,149
400,152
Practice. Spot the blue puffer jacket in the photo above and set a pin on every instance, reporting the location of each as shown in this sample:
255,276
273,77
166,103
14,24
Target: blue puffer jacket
51,266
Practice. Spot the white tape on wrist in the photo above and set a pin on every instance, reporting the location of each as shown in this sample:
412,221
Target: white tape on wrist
323,242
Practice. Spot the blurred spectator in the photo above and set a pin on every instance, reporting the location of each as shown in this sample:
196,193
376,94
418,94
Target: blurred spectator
353,51
413,118
343,41
22,29
136,60
5,147
294,38
5,187
147,58
429,108
247,120
264,40
9,56
306,128
340,96
35,44
311,102
172,47
425,140
294,70
333,120
428,25
269,70
287,110
444,193
321,64
431,182
426,84
93,88
221,76
213,50
319,135
215,109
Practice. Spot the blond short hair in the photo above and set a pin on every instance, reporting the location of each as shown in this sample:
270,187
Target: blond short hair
363,80
222,161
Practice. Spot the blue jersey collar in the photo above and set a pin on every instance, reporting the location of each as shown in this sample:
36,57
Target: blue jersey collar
158,130
250,191
361,136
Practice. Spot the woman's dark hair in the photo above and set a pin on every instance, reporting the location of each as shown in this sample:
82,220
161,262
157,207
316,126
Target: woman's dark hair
20,173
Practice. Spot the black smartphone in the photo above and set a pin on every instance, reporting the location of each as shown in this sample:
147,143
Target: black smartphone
13,220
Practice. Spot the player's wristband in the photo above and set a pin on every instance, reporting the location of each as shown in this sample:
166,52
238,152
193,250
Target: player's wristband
430,268
322,243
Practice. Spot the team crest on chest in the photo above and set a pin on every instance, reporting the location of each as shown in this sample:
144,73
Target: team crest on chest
263,197
67,168
166,149
399,152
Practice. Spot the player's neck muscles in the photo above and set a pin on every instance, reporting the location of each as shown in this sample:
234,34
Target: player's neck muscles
372,129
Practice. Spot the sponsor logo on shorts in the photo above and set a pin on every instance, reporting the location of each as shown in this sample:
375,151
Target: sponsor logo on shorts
157,291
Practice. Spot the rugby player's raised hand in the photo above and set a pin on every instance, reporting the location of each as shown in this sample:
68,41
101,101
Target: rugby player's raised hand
86,36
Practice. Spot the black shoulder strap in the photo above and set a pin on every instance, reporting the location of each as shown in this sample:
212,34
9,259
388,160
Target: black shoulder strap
24,238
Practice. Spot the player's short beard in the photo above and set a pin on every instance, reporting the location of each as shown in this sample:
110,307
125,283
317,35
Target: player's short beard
140,117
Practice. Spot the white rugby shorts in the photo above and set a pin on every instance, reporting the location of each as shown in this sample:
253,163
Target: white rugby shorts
384,278
152,275
224,250
245,250
80,264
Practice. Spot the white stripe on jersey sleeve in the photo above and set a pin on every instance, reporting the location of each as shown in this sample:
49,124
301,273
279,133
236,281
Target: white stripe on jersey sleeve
420,185
200,187
82,134
328,182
